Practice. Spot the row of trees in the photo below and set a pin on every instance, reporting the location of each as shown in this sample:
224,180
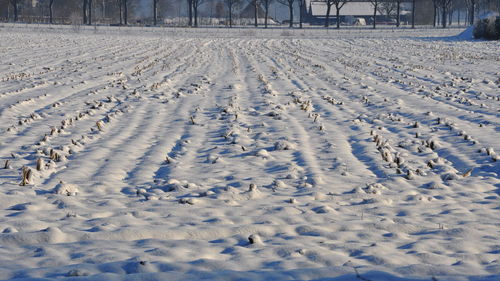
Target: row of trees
231,6
84,8
443,9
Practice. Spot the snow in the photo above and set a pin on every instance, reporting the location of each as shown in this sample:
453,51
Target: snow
467,34
174,154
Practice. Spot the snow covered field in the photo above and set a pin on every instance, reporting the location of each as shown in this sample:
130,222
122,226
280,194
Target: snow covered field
351,155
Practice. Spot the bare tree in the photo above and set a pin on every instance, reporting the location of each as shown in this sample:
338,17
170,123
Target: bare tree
302,3
89,7
329,4
87,12
266,3
120,10
471,4
435,3
339,4
231,5
413,14
443,6
255,5
15,6
84,11
288,3
155,11
451,10
51,11
375,4
196,4
125,11
388,8
398,12
190,12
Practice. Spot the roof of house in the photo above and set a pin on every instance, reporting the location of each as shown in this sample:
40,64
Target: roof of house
349,9
249,11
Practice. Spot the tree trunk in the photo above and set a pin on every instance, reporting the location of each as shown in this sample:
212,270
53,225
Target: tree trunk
195,9
230,16
90,11
155,12
125,12
255,13
398,16
438,17
290,8
266,13
338,16
190,12
443,15
16,11
435,16
472,11
328,8
466,16
458,16
85,4
51,18
375,14
120,6
413,14
301,3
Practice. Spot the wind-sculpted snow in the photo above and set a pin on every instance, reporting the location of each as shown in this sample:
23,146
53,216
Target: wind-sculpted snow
349,155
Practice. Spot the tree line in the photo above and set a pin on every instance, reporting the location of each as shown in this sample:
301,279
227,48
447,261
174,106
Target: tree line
120,11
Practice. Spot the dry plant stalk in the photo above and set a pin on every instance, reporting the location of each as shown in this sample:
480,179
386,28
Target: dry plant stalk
386,155
26,176
410,175
100,125
55,156
39,164
432,145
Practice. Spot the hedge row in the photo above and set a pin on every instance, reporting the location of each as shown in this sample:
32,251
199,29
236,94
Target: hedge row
488,28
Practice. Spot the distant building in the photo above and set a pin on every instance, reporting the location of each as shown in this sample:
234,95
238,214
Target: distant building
315,12
247,15
249,11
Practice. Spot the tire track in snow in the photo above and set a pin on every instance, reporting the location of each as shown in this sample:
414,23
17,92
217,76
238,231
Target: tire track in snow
461,158
341,140
70,100
170,135
187,151
114,172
